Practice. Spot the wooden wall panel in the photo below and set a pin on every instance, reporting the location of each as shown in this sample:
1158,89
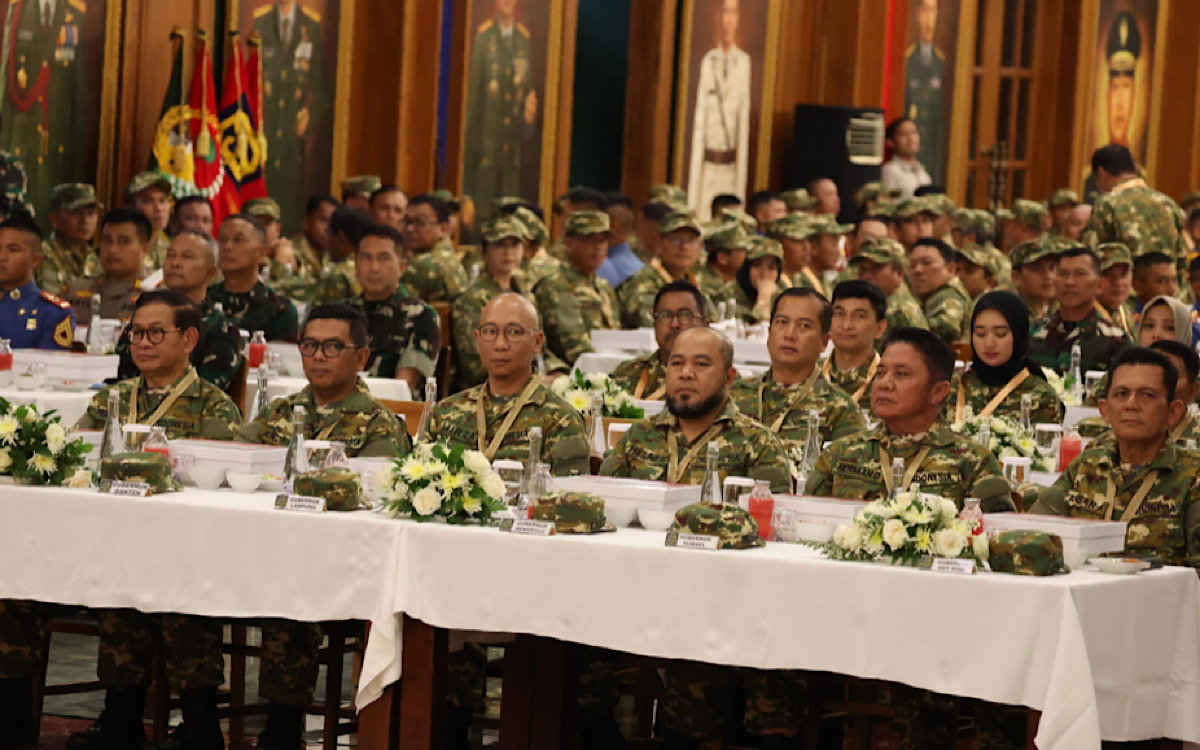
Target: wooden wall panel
1178,151
1054,89
648,97
415,145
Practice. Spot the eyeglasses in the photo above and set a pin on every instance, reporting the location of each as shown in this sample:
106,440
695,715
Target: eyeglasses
331,348
512,333
416,223
153,335
684,317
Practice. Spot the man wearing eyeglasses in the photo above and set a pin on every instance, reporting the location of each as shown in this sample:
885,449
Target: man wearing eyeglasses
250,304
168,394
435,274
678,252
338,406
678,306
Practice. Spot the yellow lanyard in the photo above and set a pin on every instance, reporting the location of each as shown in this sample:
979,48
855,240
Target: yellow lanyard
641,386
794,398
886,468
1134,505
866,384
676,470
490,449
1004,393
167,402
1181,428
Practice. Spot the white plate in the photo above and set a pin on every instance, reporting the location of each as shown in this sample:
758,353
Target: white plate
1118,566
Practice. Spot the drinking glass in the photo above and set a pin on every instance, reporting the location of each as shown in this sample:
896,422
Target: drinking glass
1047,437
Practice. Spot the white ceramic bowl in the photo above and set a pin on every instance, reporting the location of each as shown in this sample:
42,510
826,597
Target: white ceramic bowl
243,481
27,382
1075,558
814,531
1118,565
655,520
619,515
271,483
207,476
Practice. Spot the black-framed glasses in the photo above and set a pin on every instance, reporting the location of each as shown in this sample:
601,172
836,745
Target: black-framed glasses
331,348
512,333
415,223
153,335
685,317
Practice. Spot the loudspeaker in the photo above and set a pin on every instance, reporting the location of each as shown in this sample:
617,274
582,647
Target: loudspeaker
844,144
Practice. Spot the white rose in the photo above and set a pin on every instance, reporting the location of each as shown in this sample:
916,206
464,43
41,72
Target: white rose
56,438
477,463
949,543
848,537
979,545
385,479
949,510
81,479
427,501
999,426
886,510
493,485
894,534
5,460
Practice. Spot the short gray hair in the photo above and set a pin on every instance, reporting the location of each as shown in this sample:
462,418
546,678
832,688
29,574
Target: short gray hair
210,244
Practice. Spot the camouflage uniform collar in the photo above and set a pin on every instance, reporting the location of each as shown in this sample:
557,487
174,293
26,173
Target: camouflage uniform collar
192,390
359,400
487,283
820,382
665,417
537,397
939,434
1132,182
1164,461
444,245
573,275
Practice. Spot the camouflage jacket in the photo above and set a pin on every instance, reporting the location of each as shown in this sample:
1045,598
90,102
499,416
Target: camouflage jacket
1045,406
309,259
1100,342
903,309
338,283
301,283
955,467
465,314
260,309
117,298
366,426
1167,522
946,309
635,295
849,381
747,450
572,305
436,276
840,416
217,355
711,283
202,411
1003,267
156,256
628,374
747,309
60,264
541,265
402,331
1144,220
564,442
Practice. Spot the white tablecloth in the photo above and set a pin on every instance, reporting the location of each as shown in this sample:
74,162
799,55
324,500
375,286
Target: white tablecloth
69,405
279,386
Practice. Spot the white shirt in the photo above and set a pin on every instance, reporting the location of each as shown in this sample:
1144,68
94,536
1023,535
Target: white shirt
287,21
904,176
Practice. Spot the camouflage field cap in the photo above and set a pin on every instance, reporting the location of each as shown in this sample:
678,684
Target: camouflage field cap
339,486
452,201
1026,553
911,207
1003,214
747,222
793,226
363,184
964,219
757,246
882,250
152,468
503,202
940,204
262,208
1113,253
976,255
501,227
985,223
672,194
1030,213
873,191
677,220
1063,197
572,512
725,235
1030,251
145,181
735,527
798,199
72,195
535,230
828,224
881,211
588,222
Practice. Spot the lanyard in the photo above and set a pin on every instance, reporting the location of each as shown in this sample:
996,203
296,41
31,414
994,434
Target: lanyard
1181,428
490,449
1004,393
794,398
910,472
167,402
1135,504
676,470
641,386
866,384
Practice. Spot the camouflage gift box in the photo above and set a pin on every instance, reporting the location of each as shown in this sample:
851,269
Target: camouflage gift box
572,512
153,469
340,487
735,527
1027,553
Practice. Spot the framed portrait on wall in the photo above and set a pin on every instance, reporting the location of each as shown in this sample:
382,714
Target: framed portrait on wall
305,54
930,61
58,89
724,99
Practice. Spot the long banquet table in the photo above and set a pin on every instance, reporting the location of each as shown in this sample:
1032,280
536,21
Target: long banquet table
1099,656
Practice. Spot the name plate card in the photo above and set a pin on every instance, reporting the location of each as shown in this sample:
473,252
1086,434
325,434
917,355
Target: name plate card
125,489
958,565
528,527
693,541
300,503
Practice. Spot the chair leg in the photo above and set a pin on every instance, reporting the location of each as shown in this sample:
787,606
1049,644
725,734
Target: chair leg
160,695
39,682
237,685
333,687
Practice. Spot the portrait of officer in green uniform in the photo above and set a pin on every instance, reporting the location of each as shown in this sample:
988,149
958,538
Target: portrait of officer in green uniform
929,78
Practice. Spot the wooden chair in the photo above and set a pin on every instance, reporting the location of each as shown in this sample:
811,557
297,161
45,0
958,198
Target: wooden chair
237,387
409,411
444,370
962,351
443,311
342,637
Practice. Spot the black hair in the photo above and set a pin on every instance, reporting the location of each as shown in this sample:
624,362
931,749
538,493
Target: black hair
1116,159
129,215
760,198
1191,360
355,319
253,221
187,200
742,277
859,289
1140,355
590,197
924,190
508,209
436,204
685,287
724,201
1194,266
1194,216
935,352
890,131
948,253
1141,264
385,232
314,203
1080,251
615,198
656,211
185,312
825,316
389,188
352,222
23,222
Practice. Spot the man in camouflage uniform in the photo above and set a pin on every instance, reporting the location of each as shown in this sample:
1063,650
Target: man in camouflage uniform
931,271
168,394
723,256
281,255
435,273
797,233
858,326
799,201
1116,279
782,397
538,264
1076,320
338,280
914,219
150,193
249,303
68,253
883,262
310,243
405,333
357,190
1060,204
125,236
574,301
1029,223
679,252
337,406
678,306
1034,264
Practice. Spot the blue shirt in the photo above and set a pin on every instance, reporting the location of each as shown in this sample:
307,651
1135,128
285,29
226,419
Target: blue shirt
620,264
33,319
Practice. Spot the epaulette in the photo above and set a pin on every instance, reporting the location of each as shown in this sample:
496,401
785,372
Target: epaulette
911,49
939,54
78,5
521,28
263,10
54,300
485,26
314,15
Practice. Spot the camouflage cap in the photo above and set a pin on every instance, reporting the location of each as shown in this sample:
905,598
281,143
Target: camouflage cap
1112,254
798,199
975,255
757,246
828,224
735,527
262,208
910,207
502,227
572,512
535,230
881,250
724,235
881,211
72,195
341,487
964,219
671,194
1030,251
1030,213
152,468
1026,552
940,204
145,181
1063,197
363,184
677,220
1003,214
747,222
985,223
1189,199
793,226
873,191
452,201
588,222
503,202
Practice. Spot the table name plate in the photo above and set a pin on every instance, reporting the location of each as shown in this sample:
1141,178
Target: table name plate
126,489
527,526
300,503
693,541
958,565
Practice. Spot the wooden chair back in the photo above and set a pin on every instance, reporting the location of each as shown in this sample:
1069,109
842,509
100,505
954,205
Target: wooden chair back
445,360
237,388
409,411
962,351
443,311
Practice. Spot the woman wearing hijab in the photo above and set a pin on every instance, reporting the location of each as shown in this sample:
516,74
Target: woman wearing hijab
1001,372
1162,318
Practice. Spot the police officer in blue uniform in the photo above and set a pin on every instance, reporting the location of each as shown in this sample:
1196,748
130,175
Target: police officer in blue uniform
29,317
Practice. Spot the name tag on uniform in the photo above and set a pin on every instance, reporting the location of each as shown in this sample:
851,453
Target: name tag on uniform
957,565
304,51
126,489
528,527
300,503
693,541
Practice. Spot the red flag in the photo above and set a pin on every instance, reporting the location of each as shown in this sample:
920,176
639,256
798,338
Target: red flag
254,181
202,100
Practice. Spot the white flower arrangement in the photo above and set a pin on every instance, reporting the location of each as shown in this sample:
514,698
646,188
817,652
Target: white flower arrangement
905,529
35,448
577,389
437,481
1063,387
1007,439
